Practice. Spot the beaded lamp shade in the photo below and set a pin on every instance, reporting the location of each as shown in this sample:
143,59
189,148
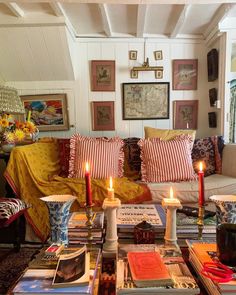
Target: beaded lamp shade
10,101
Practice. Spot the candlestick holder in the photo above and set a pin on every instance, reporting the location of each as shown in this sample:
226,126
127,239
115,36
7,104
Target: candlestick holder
89,222
200,221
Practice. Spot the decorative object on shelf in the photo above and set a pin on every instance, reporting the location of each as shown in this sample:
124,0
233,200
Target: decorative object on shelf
103,115
110,206
212,65
201,201
103,75
144,233
185,114
59,206
185,73
156,98
133,74
212,119
158,55
225,228
48,111
171,204
213,97
145,66
133,54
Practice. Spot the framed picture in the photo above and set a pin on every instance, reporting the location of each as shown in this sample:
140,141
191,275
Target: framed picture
134,74
103,75
158,74
145,101
185,74
212,119
48,111
158,55
133,54
213,97
212,65
185,114
103,115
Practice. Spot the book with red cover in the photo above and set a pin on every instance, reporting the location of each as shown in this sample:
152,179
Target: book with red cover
148,269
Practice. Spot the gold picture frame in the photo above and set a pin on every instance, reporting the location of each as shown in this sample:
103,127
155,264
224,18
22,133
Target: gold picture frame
133,54
158,55
133,74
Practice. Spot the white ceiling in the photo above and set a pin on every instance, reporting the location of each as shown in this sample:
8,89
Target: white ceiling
37,37
115,18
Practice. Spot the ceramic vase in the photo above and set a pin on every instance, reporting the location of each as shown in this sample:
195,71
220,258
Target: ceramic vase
7,147
59,207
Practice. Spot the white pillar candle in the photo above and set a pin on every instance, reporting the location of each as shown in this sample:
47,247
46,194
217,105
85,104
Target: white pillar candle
111,190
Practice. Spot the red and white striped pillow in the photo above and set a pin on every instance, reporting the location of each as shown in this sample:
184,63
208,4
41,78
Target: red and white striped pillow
166,160
105,156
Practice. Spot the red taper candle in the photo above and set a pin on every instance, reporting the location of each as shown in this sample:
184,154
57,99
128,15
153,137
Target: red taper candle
201,197
88,185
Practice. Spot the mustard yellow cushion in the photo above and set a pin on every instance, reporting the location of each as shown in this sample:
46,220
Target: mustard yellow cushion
167,134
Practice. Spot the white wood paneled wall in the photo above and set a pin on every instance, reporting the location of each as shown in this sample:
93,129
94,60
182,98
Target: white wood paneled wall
80,95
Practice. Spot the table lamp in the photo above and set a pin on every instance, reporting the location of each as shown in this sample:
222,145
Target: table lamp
10,101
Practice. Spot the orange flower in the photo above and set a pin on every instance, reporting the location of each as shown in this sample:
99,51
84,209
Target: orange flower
4,123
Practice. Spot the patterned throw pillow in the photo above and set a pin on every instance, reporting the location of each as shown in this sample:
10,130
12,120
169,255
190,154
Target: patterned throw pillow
209,151
166,160
10,209
106,156
64,156
204,151
132,161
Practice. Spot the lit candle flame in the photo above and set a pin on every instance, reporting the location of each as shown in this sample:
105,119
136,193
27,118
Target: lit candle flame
200,166
111,183
171,193
86,167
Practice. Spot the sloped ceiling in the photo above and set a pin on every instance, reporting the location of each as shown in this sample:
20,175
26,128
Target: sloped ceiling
34,34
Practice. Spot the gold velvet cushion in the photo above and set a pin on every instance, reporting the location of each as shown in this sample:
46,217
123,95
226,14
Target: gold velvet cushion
167,134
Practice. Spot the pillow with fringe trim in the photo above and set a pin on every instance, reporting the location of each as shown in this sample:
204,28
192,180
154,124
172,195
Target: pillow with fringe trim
105,156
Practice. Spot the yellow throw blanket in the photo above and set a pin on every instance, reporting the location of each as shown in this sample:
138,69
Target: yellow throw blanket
32,172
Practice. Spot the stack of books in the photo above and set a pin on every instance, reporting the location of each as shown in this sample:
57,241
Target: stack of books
205,251
78,232
129,215
49,274
170,275
187,227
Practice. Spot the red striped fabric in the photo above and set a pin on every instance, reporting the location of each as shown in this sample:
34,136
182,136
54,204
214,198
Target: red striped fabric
166,160
105,156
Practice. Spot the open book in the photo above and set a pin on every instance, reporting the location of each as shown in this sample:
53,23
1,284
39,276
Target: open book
72,269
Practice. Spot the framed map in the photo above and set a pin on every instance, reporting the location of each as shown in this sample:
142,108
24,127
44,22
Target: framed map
145,101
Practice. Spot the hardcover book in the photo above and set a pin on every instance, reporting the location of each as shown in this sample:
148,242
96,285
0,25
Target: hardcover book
148,269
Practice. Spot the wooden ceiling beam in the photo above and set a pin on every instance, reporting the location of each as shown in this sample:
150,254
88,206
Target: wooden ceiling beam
180,22
141,20
15,9
106,20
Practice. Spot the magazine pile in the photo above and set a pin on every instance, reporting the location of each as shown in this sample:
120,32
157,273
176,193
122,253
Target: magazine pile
74,272
172,277
129,215
205,251
78,230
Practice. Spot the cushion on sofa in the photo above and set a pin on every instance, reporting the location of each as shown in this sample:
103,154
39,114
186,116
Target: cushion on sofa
166,160
10,209
132,160
106,156
167,134
64,156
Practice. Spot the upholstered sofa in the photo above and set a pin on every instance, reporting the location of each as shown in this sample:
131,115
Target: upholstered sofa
39,169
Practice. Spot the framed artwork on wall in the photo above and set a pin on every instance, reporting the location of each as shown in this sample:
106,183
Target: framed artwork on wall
185,73
133,74
48,111
103,75
212,65
103,115
133,54
185,113
145,101
212,119
158,55
213,97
